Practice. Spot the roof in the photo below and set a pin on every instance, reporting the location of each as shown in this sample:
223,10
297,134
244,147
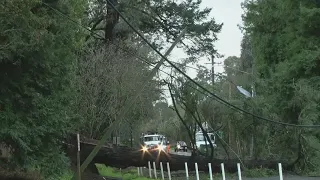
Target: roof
149,135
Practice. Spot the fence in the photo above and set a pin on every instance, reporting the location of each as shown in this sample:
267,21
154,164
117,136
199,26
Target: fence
153,171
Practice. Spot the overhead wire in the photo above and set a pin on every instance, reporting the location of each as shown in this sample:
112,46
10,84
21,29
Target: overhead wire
199,85
122,48
141,58
151,64
221,100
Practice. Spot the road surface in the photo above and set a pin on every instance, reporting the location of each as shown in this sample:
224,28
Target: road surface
181,153
285,177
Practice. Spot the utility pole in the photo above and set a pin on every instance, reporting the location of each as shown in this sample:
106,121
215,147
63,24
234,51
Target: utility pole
253,119
127,107
78,157
212,81
229,121
212,70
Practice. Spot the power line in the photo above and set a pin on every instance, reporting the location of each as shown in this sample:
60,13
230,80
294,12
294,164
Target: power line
102,38
213,94
151,64
199,85
124,49
184,74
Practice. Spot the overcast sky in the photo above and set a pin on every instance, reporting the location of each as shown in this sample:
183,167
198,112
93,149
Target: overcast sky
224,11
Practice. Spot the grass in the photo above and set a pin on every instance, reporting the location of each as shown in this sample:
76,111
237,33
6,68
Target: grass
107,171
131,174
259,172
125,175
67,175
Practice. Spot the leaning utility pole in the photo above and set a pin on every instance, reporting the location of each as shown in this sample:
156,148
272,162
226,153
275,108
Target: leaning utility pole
127,107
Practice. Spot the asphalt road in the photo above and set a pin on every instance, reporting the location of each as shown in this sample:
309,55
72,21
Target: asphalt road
180,153
285,177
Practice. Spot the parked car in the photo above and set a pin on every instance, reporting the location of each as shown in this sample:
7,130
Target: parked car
181,146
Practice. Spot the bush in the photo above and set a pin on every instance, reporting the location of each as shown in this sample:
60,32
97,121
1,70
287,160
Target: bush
6,174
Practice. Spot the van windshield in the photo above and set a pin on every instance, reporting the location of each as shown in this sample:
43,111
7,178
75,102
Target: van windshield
200,137
152,138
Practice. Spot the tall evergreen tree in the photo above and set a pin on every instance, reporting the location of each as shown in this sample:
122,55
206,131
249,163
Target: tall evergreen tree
285,43
37,56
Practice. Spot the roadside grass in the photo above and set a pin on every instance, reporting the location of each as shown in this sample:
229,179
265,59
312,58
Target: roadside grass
125,175
107,171
259,172
66,176
131,174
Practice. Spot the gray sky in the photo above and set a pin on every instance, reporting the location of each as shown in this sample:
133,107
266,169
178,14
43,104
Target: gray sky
224,11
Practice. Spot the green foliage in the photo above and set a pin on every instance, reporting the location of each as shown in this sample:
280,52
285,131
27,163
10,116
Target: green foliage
67,175
18,174
37,56
259,172
152,18
285,45
107,171
110,172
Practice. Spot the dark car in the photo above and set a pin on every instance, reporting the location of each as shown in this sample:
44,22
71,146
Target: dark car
181,146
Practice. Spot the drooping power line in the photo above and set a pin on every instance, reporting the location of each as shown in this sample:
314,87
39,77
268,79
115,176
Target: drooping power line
199,85
184,74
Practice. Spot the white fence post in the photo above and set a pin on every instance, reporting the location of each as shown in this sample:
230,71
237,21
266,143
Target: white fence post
187,171
223,173
155,170
197,171
161,167
169,173
239,171
149,165
280,171
138,171
210,171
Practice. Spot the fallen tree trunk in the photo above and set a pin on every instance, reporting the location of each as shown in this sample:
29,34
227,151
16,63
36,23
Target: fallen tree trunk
123,157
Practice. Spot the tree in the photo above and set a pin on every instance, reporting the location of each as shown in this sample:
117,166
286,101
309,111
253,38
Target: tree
164,121
108,78
37,56
152,18
284,38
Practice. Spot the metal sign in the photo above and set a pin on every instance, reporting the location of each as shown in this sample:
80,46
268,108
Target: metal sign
244,92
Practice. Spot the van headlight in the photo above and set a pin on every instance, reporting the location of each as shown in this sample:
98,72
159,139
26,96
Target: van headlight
144,148
160,147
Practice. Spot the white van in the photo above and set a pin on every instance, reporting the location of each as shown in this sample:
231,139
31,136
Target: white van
202,141
154,142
